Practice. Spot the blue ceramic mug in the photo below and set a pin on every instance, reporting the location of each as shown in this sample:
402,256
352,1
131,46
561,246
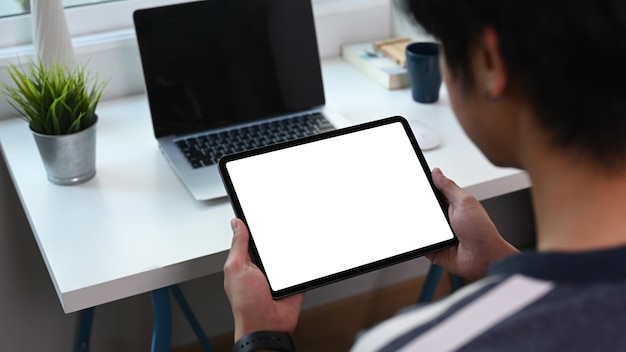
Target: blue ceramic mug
422,63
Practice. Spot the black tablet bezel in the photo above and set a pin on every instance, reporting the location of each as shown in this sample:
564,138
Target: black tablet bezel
232,193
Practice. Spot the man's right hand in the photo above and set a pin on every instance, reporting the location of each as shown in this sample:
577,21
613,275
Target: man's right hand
480,243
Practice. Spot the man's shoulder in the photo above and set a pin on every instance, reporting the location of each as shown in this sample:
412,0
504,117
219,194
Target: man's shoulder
500,310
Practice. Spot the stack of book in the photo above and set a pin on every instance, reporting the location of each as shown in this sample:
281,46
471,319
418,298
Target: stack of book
383,61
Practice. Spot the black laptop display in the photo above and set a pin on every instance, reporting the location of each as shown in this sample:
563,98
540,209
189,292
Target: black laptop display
214,64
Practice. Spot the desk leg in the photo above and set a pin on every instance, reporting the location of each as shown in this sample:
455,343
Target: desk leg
430,284
161,333
455,282
162,330
432,280
83,331
191,318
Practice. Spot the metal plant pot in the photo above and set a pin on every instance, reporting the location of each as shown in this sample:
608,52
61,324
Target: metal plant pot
68,159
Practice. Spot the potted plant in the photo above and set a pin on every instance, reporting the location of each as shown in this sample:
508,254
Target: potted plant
59,104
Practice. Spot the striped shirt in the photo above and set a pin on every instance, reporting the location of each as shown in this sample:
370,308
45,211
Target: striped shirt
528,302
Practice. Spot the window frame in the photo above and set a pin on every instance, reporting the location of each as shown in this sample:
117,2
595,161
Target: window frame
114,16
82,20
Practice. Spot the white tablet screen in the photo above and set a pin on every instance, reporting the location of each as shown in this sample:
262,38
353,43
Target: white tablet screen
336,205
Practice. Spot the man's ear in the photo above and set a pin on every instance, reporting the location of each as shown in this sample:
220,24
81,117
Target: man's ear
491,65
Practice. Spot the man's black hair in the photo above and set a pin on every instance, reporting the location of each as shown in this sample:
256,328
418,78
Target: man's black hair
569,57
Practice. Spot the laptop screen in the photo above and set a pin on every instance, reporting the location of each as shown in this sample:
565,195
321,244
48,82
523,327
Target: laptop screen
215,63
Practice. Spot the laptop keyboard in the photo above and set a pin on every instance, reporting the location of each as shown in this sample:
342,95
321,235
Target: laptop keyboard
205,150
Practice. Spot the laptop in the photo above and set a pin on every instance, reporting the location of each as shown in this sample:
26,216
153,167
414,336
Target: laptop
224,76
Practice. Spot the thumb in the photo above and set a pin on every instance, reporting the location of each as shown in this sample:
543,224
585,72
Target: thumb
449,188
239,247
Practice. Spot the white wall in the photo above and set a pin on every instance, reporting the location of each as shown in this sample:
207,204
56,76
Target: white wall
403,26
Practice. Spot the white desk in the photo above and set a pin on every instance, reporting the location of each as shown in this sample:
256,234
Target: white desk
134,228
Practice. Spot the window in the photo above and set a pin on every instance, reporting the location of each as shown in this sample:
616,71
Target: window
114,15
19,7
103,34
100,16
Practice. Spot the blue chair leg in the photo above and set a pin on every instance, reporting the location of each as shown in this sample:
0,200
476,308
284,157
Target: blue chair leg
162,330
83,334
191,318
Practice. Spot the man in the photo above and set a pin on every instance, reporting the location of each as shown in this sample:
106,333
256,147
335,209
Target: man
537,85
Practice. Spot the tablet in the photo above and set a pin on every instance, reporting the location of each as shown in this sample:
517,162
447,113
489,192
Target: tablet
328,207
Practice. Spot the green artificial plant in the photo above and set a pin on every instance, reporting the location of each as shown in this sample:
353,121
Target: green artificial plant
53,98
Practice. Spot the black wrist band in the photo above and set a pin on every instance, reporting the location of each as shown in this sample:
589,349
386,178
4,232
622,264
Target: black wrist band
265,340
